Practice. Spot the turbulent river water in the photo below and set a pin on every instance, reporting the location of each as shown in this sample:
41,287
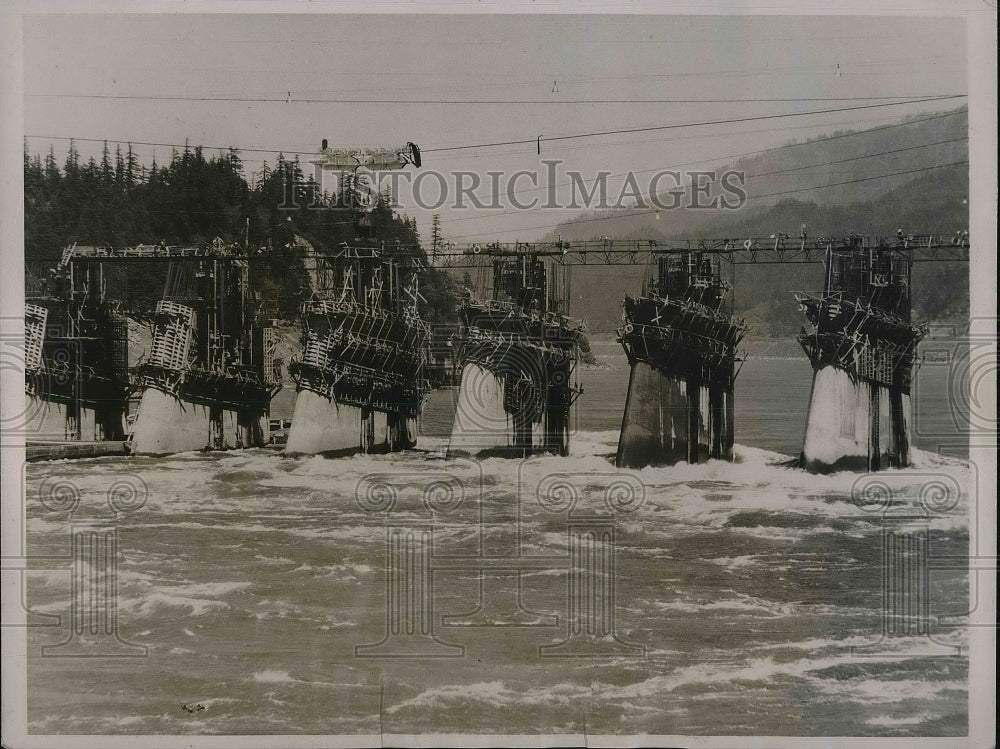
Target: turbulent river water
743,598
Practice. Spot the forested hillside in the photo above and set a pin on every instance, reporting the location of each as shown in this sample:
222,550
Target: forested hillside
192,200
782,197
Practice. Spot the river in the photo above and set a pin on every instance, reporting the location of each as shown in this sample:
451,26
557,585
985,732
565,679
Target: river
747,597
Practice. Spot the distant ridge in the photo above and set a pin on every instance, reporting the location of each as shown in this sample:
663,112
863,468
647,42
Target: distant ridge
785,194
846,159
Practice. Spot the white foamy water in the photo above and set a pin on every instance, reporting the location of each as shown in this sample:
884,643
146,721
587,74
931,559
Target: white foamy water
754,590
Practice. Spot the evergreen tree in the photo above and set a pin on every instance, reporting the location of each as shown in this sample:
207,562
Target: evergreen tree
131,167
52,174
119,168
106,174
72,166
436,232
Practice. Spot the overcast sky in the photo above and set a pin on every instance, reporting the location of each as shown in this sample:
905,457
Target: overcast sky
540,63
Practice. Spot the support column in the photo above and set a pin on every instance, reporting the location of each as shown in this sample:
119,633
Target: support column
524,433
409,430
656,422
321,425
253,425
900,407
481,423
110,419
874,429
167,424
394,432
854,425
729,436
838,426
716,422
887,449
701,400
556,421
380,432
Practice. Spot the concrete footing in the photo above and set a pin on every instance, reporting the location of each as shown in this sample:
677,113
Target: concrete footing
482,427
322,425
34,451
854,425
168,424
669,419
481,423
54,420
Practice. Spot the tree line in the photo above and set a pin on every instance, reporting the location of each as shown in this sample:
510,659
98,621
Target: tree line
194,199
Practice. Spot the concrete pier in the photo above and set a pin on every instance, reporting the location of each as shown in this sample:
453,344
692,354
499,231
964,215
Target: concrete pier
481,424
51,419
862,347
854,425
681,344
518,351
484,427
655,423
322,425
670,419
166,424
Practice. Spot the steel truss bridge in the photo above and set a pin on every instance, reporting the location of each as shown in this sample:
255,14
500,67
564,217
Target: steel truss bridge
775,249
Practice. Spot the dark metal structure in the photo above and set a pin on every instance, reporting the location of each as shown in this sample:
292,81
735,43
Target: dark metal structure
364,347
681,345
209,376
76,357
517,352
862,345
778,248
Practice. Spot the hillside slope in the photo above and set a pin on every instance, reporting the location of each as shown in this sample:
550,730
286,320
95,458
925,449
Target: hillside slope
930,201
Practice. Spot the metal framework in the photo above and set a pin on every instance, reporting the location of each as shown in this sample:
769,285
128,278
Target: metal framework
777,248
